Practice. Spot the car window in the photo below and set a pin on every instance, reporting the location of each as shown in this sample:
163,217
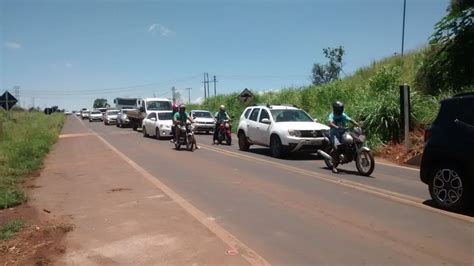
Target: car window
247,112
264,114
254,114
202,114
152,115
96,112
290,115
165,116
112,112
467,111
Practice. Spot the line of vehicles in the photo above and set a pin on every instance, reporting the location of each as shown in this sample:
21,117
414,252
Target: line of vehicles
446,167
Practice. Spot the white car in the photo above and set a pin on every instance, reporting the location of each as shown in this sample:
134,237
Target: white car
157,124
110,117
95,116
204,120
284,129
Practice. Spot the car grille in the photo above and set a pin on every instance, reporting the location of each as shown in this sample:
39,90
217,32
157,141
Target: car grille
311,133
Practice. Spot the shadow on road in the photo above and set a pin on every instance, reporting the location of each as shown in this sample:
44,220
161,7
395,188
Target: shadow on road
289,157
467,212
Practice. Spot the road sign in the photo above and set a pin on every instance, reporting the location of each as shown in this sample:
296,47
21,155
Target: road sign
246,96
7,101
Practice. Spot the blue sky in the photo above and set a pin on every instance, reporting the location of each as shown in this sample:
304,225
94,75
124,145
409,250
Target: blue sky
69,52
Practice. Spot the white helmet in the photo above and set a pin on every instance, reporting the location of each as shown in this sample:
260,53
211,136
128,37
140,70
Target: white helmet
222,107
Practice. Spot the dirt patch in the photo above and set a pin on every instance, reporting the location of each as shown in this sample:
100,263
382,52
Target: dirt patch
119,190
396,153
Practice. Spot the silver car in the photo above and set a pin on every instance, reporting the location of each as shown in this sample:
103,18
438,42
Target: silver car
110,117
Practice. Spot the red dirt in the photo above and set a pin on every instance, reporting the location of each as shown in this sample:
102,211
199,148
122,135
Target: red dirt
395,152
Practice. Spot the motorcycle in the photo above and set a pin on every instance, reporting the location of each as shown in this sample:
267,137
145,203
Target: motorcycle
352,148
224,132
185,136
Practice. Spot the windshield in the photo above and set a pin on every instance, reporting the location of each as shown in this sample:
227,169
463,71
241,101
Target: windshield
164,116
290,115
202,114
112,112
96,113
158,105
126,101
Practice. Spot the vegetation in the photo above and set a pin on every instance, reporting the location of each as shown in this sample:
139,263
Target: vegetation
25,138
9,228
323,74
448,62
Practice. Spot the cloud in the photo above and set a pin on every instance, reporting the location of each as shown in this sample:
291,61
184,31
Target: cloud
68,65
12,45
164,31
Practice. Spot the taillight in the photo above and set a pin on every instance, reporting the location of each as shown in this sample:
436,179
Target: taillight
427,135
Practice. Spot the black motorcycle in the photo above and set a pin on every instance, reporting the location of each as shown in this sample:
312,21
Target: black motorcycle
186,137
351,148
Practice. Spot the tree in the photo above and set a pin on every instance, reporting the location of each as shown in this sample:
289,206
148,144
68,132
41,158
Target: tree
100,103
448,63
330,71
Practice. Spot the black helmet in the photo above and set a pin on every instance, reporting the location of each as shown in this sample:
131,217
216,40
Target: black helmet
338,107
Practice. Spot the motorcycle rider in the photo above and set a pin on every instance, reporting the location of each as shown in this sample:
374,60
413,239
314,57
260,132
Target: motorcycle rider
220,116
179,118
337,119
175,110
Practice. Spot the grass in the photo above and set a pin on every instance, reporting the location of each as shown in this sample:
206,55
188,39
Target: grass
371,95
25,138
8,229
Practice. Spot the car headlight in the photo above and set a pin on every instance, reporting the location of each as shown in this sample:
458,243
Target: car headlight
295,133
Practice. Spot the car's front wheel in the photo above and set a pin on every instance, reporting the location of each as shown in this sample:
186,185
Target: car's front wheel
448,187
277,149
244,144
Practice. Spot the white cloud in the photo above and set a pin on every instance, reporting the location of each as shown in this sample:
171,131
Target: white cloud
68,65
12,45
164,31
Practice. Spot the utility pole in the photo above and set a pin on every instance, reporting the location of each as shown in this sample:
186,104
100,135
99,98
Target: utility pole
403,27
204,82
215,81
173,91
189,94
207,81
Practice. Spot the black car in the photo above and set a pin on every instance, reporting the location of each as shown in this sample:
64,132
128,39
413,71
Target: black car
447,165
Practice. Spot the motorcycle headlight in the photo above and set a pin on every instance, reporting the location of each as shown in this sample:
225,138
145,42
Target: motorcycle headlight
295,133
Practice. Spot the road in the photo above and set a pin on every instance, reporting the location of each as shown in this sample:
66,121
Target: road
296,212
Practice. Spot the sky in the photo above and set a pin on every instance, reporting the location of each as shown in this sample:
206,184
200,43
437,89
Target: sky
70,52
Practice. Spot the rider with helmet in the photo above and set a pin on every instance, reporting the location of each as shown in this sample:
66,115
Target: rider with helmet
181,117
175,110
337,119
220,116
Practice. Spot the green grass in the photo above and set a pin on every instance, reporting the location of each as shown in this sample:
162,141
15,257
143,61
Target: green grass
9,228
371,95
25,138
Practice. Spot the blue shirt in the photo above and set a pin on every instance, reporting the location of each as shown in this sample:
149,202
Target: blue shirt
338,120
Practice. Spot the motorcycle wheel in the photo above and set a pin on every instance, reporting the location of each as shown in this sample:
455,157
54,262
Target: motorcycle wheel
328,150
189,144
365,163
220,138
177,145
229,140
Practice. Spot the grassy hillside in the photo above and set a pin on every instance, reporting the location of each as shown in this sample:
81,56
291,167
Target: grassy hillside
371,95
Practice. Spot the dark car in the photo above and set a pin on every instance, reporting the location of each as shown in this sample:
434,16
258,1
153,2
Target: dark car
447,165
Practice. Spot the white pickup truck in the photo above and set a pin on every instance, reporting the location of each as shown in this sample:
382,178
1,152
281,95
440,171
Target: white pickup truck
147,106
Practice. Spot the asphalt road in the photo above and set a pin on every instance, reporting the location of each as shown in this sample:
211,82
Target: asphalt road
296,212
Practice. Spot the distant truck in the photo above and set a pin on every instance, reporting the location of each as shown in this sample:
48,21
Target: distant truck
126,103
147,106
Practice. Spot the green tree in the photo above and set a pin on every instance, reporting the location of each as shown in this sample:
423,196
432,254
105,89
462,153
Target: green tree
100,103
325,73
448,63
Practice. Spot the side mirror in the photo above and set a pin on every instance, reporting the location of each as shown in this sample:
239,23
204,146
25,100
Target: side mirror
142,109
153,119
315,120
266,121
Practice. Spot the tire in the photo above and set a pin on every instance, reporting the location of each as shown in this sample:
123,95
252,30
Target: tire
157,134
244,144
189,144
134,127
277,148
328,162
229,140
448,186
365,163
177,146
207,132
144,132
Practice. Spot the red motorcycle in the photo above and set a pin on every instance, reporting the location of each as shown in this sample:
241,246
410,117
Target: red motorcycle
224,132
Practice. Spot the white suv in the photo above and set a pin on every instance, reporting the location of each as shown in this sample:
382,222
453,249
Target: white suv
282,128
